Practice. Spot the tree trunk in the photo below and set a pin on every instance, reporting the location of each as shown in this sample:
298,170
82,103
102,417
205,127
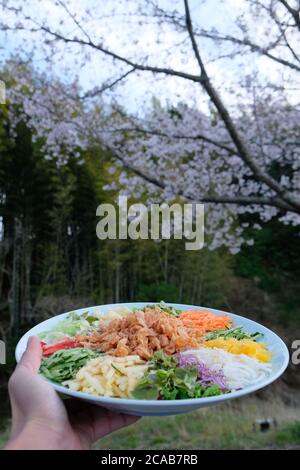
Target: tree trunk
14,295
27,260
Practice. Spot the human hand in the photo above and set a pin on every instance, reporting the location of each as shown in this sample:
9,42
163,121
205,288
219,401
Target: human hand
42,420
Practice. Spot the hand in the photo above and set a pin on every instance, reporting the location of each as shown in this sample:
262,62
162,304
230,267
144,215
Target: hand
42,420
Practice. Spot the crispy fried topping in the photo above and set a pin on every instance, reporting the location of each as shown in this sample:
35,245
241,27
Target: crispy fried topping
143,333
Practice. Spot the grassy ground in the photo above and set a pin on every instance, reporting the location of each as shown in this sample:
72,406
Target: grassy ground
230,426
4,432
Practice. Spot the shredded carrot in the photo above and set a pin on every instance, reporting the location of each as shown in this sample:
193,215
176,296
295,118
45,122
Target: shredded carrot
205,320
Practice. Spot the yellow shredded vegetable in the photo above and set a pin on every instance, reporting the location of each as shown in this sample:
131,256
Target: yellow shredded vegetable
243,346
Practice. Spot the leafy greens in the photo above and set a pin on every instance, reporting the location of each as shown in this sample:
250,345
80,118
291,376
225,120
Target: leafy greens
175,312
72,325
237,333
166,380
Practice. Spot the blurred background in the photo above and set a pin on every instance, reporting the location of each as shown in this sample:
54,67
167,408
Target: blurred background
162,101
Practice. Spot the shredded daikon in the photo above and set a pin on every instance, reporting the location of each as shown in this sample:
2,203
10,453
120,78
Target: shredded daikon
239,370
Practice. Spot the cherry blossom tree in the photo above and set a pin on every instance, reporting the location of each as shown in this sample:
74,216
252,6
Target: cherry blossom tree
238,151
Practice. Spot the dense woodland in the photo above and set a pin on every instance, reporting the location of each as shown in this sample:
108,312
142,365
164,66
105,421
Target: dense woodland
52,258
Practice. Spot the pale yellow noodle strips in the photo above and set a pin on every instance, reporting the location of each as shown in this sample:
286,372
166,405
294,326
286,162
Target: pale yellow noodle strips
109,376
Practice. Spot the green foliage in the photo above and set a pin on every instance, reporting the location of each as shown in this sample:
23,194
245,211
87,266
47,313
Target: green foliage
273,263
274,257
156,291
289,434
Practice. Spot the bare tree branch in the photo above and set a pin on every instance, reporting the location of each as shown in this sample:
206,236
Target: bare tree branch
175,19
295,13
252,46
230,126
107,86
202,137
115,56
72,16
223,199
283,31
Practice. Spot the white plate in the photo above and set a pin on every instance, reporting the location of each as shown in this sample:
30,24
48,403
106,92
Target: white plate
280,359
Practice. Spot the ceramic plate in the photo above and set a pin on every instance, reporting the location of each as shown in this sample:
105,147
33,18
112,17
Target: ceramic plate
280,359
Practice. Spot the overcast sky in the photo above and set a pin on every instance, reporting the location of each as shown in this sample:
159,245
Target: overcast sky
112,23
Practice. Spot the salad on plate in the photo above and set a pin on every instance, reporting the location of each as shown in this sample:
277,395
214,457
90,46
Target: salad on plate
153,353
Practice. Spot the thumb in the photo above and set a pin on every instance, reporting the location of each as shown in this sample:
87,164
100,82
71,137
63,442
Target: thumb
32,356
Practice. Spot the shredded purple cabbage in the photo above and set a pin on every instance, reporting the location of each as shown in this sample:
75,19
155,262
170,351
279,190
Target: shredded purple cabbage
205,375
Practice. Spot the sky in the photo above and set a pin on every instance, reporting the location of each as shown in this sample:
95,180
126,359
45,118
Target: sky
113,24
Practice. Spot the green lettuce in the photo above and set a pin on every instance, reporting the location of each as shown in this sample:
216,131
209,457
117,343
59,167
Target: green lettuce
69,327
166,380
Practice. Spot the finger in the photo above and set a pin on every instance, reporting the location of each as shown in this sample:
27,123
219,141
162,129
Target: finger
96,422
32,356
